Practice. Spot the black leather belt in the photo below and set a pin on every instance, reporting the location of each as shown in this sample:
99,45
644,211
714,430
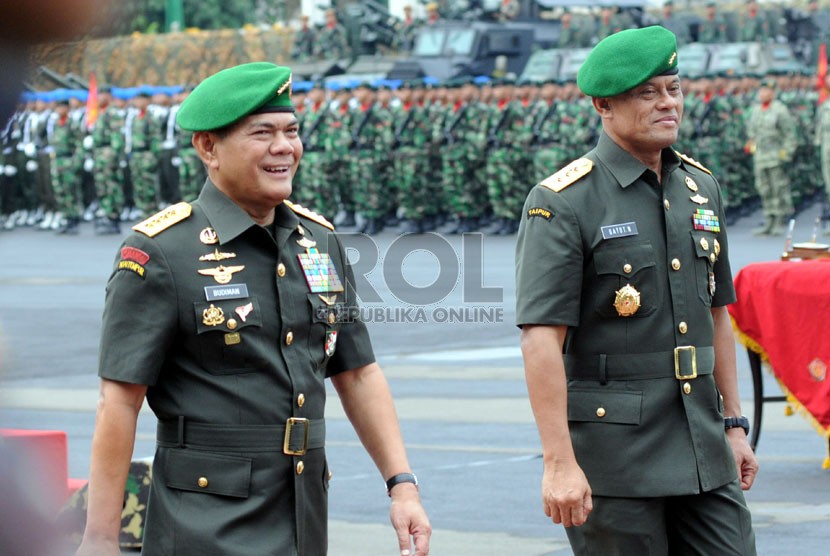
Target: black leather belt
297,436
688,362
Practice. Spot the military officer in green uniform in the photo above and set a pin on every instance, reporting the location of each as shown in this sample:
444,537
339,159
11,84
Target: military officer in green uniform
227,315
622,280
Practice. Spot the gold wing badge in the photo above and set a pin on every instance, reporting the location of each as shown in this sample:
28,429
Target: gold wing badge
222,274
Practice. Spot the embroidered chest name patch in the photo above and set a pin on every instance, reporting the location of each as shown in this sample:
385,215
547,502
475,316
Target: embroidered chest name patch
619,230
231,291
320,273
706,220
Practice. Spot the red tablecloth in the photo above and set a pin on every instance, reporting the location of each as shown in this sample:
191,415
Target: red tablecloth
783,313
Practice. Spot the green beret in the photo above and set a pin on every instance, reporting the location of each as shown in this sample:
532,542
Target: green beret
233,93
627,59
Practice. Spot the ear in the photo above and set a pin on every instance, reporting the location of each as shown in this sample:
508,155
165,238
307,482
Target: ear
602,105
205,143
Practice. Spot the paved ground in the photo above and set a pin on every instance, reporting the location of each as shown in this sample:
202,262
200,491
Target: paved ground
458,385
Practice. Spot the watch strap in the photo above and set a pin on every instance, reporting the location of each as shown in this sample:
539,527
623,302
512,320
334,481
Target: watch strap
398,479
733,422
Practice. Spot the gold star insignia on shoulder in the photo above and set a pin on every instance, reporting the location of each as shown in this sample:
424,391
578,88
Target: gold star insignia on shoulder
164,219
310,214
693,162
568,175
222,274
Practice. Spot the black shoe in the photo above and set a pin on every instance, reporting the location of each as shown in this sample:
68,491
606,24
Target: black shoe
413,226
109,226
71,227
348,219
376,226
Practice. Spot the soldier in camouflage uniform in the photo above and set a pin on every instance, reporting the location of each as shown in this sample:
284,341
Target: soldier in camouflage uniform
315,188
805,166
304,41
462,140
822,141
508,140
372,135
63,141
332,40
140,146
713,28
337,141
108,144
411,139
754,26
771,140
547,153
192,172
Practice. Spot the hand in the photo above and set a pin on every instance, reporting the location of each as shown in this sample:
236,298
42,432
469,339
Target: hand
98,547
566,494
410,520
745,460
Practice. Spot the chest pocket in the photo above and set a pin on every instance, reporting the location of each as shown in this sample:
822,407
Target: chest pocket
705,259
327,313
222,328
619,264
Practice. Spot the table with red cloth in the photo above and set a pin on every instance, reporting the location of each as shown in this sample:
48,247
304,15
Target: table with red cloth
782,313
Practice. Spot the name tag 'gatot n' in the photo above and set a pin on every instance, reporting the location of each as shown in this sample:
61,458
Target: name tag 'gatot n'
619,230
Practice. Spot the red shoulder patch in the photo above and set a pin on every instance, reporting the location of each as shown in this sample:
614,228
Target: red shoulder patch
134,254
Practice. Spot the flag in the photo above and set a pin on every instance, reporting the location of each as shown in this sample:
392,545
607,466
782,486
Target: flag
92,102
821,73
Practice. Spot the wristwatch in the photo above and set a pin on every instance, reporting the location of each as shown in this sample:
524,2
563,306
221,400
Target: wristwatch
400,478
732,422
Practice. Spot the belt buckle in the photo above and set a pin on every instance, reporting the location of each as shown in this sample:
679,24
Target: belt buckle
693,354
290,423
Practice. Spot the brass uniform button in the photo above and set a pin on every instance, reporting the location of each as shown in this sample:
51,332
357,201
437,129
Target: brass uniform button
600,412
713,258
329,475
332,318
683,327
675,264
280,270
627,268
301,400
289,338
202,482
300,467
667,204
232,324
687,388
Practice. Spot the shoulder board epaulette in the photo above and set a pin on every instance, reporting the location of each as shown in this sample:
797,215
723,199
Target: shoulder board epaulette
693,162
311,215
569,174
164,219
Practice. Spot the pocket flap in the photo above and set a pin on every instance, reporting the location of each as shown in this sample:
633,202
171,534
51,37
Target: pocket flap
210,473
614,261
605,406
232,315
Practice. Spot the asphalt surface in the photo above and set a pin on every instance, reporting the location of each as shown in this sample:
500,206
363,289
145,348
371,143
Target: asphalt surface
455,371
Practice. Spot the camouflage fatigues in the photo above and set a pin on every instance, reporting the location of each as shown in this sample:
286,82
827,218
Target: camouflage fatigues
772,136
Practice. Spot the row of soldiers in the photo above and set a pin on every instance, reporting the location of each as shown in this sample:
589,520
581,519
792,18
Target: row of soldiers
464,153
469,150
119,159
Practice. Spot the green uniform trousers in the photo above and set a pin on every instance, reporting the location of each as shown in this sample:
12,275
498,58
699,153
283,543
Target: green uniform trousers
705,524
